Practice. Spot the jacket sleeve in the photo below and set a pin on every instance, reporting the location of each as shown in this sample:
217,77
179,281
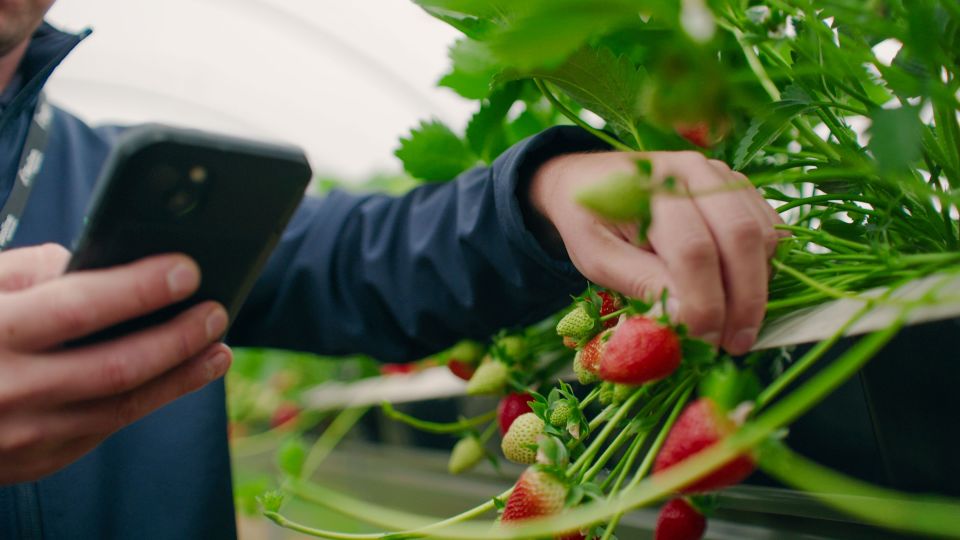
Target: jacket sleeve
401,277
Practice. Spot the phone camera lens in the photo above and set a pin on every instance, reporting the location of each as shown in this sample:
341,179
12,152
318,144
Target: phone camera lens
181,201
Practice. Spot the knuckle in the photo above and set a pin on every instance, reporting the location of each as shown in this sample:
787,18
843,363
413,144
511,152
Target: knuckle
745,233
116,373
718,163
72,314
691,156
697,252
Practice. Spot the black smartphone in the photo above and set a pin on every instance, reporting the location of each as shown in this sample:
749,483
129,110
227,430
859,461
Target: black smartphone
224,201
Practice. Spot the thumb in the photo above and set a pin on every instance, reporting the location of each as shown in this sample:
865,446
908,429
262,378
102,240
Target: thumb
23,268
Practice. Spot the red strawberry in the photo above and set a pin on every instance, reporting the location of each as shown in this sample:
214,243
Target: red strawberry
569,342
611,303
537,493
397,369
462,369
593,351
640,351
284,414
698,133
700,426
510,407
679,521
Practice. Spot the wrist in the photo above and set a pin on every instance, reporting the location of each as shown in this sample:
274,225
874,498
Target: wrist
535,193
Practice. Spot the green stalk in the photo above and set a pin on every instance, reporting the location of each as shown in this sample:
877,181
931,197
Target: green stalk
799,367
651,455
330,438
654,402
916,514
813,284
601,437
437,427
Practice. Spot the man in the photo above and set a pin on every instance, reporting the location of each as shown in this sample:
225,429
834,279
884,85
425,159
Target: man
94,442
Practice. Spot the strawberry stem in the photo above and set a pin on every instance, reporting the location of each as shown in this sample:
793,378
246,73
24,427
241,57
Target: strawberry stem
332,436
438,427
915,514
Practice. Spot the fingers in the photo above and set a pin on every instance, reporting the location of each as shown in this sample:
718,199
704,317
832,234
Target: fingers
23,268
740,229
118,366
606,258
104,416
30,466
79,304
682,239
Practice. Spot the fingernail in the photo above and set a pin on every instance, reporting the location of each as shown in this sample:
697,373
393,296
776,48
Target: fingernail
744,339
216,323
182,278
217,366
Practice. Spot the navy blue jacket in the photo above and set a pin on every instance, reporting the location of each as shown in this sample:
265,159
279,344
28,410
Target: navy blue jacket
396,278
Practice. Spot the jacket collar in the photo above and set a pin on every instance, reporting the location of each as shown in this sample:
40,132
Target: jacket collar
48,47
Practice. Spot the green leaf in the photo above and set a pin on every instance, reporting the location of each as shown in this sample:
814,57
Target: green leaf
769,124
895,138
729,386
465,9
434,153
473,69
598,81
485,132
550,31
271,501
291,456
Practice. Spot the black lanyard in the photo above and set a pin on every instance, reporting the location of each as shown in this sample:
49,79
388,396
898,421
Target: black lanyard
31,158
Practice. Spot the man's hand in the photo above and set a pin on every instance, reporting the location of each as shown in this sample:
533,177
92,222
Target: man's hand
711,250
57,404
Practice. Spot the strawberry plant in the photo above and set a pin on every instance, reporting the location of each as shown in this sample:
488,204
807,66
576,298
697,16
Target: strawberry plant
843,113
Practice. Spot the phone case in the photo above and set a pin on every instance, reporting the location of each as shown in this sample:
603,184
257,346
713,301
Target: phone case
222,200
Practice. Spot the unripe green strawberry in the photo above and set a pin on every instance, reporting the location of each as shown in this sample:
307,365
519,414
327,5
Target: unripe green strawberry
606,393
560,414
584,375
465,455
622,391
519,444
514,347
490,378
577,324
466,351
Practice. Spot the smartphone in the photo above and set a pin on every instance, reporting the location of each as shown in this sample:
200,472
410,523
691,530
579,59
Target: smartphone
224,201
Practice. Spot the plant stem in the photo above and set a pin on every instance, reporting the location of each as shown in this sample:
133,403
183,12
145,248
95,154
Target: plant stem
435,427
601,437
330,438
573,117
916,514
651,455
